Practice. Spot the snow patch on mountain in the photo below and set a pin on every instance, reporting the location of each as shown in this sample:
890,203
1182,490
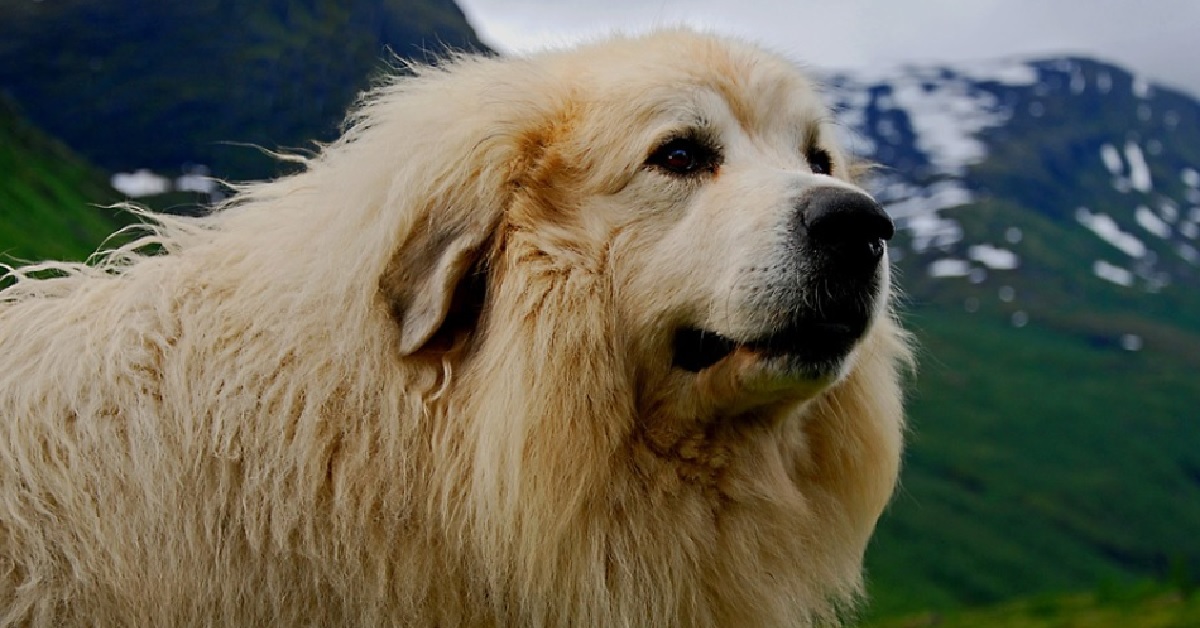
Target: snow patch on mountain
1168,211
140,183
916,210
1139,172
946,120
949,267
1112,160
1141,87
1151,222
946,110
1078,81
1010,72
1106,228
944,105
993,257
1190,177
929,126
1113,273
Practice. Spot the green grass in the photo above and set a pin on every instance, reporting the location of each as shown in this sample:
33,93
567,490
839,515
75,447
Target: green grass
51,201
132,84
1141,606
1037,462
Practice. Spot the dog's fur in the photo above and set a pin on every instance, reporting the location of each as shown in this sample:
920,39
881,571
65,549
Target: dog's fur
428,380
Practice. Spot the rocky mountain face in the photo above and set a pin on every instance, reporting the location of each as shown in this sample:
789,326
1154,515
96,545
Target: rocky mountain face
1105,162
1049,225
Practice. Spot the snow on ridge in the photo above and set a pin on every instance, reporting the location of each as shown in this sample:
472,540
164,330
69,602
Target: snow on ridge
1168,211
143,182
943,104
140,183
1010,72
1113,273
903,200
915,209
947,118
1151,222
196,183
949,267
1078,81
1189,253
993,257
1112,159
1139,172
1141,87
1106,228
1190,177
930,229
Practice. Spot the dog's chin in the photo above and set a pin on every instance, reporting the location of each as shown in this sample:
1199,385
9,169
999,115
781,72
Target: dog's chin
806,351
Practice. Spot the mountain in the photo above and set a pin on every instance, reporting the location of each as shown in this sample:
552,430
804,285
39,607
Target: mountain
1048,213
49,197
131,84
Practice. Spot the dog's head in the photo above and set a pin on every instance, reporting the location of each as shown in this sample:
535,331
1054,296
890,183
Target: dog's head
645,281
701,177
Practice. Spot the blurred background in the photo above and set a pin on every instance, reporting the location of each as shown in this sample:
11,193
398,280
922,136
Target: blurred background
1041,160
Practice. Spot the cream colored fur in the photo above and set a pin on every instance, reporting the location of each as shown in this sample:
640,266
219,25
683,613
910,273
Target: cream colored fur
289,418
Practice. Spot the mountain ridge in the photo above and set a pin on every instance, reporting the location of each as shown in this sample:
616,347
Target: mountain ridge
112,78
1047,214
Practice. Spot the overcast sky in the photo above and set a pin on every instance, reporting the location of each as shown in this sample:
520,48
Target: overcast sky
1160,38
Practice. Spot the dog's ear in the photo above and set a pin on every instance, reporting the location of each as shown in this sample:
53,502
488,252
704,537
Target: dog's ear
423,277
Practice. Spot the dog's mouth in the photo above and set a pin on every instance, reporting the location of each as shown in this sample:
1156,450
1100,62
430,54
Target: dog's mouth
812,345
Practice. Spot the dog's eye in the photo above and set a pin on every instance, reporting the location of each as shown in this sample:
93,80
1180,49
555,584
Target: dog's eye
683,156
819,161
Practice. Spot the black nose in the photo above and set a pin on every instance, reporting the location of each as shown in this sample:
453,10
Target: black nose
847,225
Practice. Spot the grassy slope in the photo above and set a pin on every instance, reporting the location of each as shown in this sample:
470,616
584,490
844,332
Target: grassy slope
133,84
1037,462
1042,458
1136,607
49,197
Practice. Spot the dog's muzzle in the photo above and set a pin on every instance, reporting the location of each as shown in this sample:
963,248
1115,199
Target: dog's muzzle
839,238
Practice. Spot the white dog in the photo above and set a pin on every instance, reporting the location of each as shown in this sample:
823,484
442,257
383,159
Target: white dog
598,337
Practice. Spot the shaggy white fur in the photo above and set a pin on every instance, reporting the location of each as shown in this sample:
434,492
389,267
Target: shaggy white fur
428,382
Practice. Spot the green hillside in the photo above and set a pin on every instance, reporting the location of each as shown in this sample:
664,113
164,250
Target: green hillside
134,84
1046,456
1038,461
1142,606
1055,419
49,196
1055,441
